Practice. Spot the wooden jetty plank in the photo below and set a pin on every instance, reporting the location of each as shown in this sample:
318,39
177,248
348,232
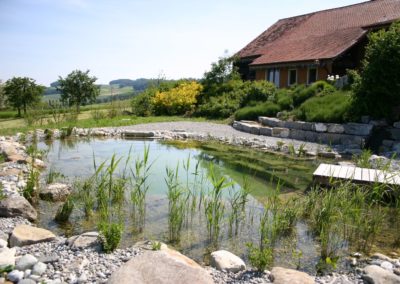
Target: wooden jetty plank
326,171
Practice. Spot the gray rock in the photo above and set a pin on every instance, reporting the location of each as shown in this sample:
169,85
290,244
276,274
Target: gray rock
320,127
3,243
280,132
49,258
7,257
358,129
281,275
377,275
137,134
171,266
335,128
27,273
266,131
16,205
4,236
15,276
23,235
396,124
85,240
55,192
27,281
381,256
227,261
270,121
39,268
26,262
387,265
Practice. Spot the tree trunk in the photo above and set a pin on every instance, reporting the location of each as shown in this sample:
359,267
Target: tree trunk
78,108
24,108
19,112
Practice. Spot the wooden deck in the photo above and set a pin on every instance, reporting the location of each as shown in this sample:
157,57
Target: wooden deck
325,172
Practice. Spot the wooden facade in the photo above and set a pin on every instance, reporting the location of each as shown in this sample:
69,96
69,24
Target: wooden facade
302,75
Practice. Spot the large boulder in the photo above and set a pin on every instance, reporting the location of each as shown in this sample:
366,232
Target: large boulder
374,274
55,192
281,275
162,267
227,261
15,205
23,235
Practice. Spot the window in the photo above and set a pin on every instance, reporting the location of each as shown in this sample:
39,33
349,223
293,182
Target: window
312,75
292,77
273,76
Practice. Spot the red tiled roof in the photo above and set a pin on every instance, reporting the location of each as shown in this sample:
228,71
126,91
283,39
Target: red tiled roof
320,35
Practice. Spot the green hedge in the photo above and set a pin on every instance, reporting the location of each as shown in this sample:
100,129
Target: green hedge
302,93
253,112
329,108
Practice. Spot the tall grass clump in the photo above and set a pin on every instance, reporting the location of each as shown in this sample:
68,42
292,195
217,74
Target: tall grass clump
140,186
237,201
345,214
176,204
214,205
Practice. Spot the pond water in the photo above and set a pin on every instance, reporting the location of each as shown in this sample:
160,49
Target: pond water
261,172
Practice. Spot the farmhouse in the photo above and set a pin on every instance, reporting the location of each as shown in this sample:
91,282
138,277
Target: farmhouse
307,48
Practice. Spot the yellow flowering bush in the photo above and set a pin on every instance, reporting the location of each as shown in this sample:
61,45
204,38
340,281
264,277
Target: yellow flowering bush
178,100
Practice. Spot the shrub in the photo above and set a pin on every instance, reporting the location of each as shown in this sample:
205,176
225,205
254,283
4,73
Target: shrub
379,88
302,93
284,98
329,108
177,100
221,106
142,104
257,91
253,112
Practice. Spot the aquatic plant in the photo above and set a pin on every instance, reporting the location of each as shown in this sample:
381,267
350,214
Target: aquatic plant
214,205
260,257
176,204
110,234
139,184
53,175
65,211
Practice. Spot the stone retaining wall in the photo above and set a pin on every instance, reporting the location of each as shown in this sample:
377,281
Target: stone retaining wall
352,135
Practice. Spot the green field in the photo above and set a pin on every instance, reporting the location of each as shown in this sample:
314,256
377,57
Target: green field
106,91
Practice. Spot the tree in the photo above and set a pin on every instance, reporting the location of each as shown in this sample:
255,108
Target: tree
2,96
78,88
377,91
22,92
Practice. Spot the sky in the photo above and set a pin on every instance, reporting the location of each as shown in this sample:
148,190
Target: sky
45,39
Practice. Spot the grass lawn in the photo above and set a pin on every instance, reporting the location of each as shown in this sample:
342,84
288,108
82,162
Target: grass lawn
85,120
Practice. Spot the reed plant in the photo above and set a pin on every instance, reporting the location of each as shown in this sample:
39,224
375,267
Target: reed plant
176,204
53,175
214,205
140,186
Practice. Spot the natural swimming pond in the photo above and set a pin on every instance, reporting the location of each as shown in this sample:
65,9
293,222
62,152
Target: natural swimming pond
182,179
